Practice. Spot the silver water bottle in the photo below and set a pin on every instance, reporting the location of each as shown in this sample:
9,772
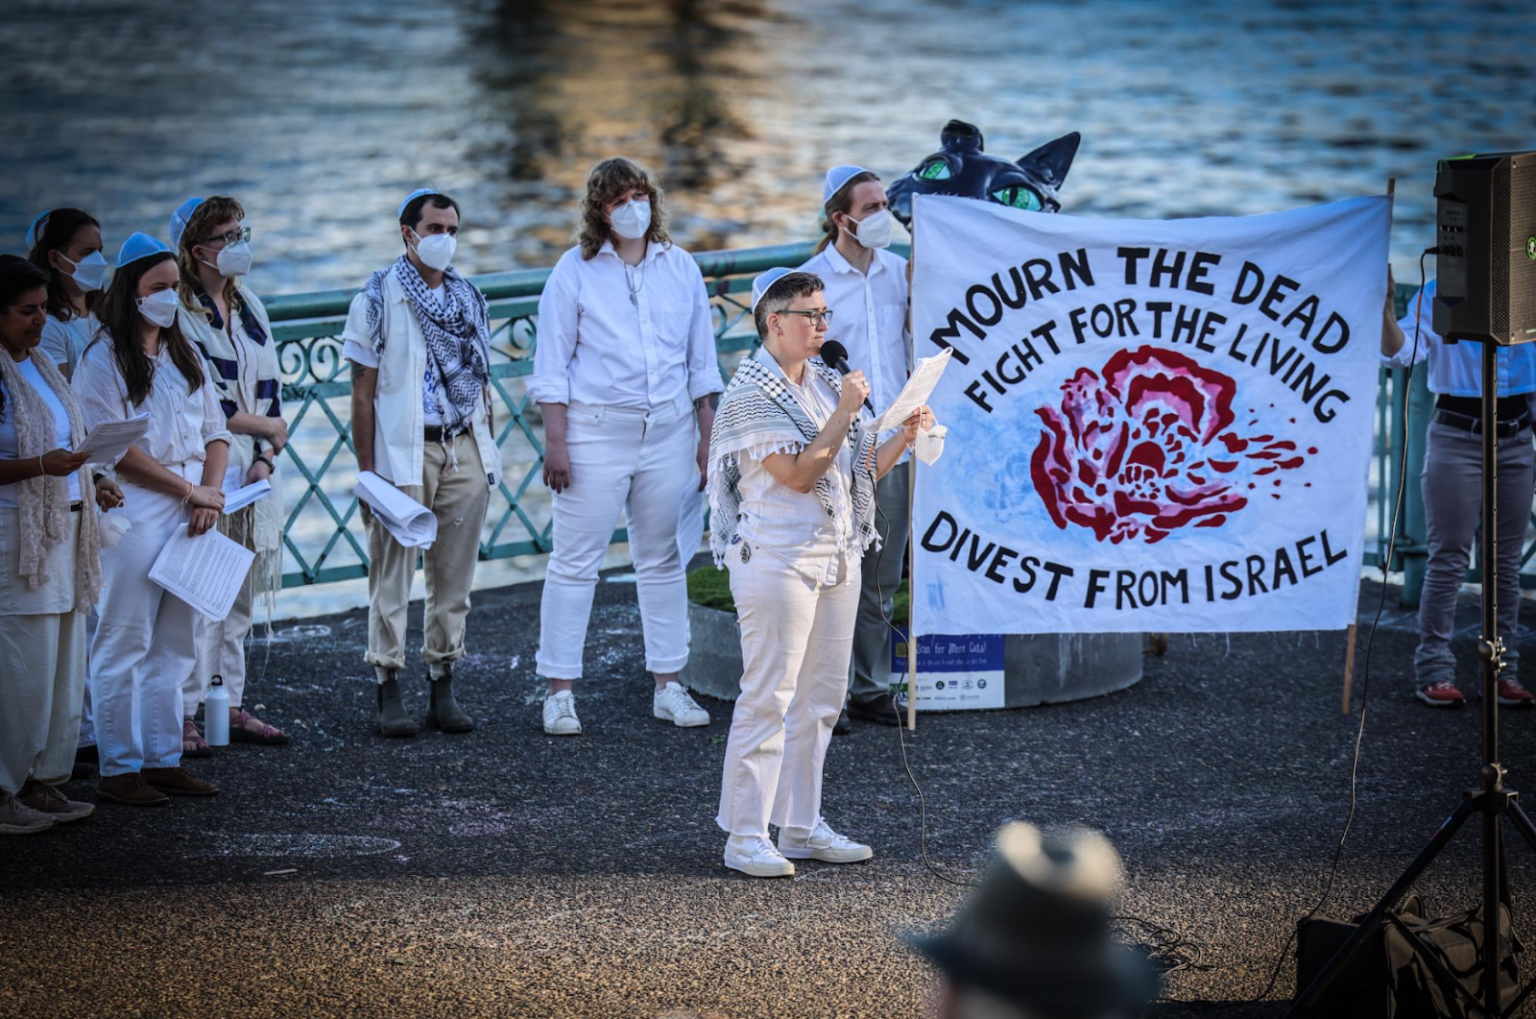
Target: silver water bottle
216,714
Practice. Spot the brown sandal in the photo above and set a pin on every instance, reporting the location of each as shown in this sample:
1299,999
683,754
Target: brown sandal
192,742
267,735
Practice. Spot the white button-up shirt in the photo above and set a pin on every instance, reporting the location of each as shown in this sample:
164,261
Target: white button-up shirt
598,346
1456,369
869,318
182,420
8,444
793,526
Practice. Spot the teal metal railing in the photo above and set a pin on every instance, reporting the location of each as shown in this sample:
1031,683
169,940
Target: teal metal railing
325,544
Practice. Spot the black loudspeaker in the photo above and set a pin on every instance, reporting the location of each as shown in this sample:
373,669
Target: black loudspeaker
1486,233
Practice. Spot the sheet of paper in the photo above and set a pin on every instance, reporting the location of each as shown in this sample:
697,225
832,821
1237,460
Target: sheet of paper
690,524
411,523
916,392
238,499
111,439
206,572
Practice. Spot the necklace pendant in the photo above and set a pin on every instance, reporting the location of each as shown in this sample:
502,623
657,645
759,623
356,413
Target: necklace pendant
633,299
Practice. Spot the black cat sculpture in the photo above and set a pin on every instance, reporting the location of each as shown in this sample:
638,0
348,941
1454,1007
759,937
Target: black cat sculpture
962,168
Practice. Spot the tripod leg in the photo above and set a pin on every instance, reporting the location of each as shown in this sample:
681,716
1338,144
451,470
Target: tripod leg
1522,822
1373,920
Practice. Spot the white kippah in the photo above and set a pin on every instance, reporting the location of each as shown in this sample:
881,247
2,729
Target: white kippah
836,178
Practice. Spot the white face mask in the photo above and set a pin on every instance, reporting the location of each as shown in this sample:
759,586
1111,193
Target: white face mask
436,252
874,230
89,272
632,219
160,308
233,259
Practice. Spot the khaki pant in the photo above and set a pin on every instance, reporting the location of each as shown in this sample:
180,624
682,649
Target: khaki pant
42,678
458,498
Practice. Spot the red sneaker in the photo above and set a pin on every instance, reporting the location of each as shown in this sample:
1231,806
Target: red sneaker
1442,695
1513,695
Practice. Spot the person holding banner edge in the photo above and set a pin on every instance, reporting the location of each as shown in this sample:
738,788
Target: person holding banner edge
867,284
1452,494
792,475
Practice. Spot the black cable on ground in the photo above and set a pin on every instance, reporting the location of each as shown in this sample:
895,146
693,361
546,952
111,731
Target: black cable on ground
1365,677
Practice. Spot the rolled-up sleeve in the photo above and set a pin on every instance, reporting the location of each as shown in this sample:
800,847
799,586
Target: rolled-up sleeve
356,343
1410,352
95,386
704,375
559,317
214,428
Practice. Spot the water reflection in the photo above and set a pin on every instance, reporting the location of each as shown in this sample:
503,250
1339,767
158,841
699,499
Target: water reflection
320,114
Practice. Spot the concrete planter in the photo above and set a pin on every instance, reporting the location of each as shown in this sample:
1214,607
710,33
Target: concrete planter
1038,668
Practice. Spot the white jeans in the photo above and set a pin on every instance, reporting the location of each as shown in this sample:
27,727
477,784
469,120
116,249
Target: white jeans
142,652
796,642
641,463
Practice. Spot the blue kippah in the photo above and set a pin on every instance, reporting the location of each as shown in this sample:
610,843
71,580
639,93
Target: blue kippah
137,246
180,217
762,283
413,196
836,178
36,229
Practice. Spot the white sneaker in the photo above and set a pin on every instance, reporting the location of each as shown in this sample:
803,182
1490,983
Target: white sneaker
674,705
755,856
821,843
560,714
16,818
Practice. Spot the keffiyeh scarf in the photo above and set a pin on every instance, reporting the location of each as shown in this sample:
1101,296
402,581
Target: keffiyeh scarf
759,415
458,336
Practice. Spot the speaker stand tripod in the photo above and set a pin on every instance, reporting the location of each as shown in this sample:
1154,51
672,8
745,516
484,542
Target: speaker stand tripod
1490,798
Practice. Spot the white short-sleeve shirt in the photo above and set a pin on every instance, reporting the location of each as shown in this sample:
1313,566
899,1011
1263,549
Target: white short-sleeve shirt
8,445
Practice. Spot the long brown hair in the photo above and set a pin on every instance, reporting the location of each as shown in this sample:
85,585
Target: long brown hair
59,229
204,218
608,180
841,201
119,315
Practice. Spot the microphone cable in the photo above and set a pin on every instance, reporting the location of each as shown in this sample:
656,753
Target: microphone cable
1168,949
1370,640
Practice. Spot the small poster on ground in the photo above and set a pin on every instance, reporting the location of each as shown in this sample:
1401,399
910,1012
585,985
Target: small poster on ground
954,673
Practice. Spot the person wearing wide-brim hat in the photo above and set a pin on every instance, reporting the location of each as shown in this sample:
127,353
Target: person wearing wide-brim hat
1034,940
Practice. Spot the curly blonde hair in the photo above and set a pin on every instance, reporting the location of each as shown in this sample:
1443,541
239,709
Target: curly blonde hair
606,183
200,224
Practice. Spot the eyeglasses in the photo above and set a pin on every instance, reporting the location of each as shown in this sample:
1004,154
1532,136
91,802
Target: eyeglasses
817,317
235,236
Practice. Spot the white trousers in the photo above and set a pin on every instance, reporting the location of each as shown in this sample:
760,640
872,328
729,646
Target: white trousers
796,642
42,675
221,651
641,463
143,651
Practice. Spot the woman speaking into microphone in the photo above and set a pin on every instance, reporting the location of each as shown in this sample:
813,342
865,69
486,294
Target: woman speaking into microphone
792,498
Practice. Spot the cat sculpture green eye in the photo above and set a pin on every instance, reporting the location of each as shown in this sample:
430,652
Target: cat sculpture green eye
1017,198
936,170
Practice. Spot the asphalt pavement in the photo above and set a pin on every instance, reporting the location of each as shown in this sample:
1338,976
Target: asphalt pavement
508,873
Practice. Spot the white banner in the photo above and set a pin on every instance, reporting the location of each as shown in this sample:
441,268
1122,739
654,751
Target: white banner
1152,425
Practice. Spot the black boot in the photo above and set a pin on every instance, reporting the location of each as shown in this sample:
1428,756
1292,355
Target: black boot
392,719
444,712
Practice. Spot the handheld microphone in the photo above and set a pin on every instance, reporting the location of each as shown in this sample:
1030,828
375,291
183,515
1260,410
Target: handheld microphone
834,355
